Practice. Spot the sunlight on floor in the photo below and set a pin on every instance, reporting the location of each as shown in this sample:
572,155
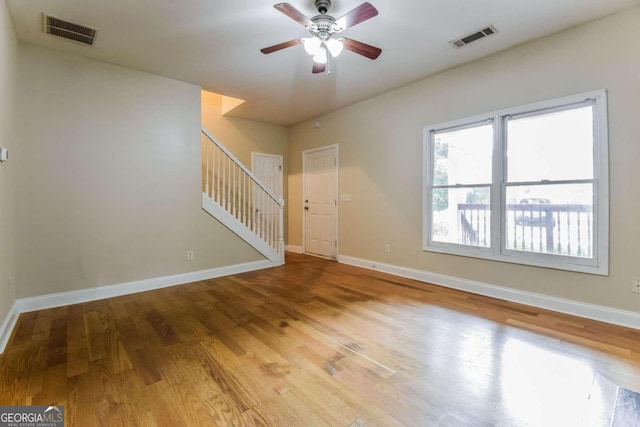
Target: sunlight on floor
542,387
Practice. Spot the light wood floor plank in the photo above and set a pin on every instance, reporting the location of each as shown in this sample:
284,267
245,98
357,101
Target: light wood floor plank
317,343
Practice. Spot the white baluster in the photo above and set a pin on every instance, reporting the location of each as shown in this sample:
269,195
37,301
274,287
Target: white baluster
225,163
254,201
234,211
252,208
256,196
206,169
281,227
274,222
240,201
223,181
211,176
266,217
259,213
217,176
247,215
274,225
268,203
262,216
230,163
214,169
268,207
230,187
244,199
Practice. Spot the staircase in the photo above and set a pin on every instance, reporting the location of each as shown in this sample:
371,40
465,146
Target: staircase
236,198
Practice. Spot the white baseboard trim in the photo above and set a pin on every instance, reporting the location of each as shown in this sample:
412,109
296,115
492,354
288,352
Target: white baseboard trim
615,316
7,327
295,249
42,302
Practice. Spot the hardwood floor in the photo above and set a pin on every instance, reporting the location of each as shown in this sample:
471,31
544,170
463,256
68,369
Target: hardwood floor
317,343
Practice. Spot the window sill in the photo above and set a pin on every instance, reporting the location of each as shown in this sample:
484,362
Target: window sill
572,264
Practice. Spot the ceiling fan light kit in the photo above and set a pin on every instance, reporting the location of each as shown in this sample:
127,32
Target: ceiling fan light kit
322,28
318,48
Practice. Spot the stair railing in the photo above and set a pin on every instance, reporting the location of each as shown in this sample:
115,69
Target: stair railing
236,189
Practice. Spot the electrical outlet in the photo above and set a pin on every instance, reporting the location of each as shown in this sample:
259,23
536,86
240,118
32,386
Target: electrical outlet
10,283
387,248
190,255
635,286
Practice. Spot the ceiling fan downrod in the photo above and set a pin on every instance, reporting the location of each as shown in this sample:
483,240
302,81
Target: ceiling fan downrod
323,6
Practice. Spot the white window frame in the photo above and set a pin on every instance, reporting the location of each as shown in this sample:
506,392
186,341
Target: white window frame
599,263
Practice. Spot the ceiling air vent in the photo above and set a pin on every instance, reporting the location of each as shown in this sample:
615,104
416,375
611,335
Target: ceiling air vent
68,30
485,32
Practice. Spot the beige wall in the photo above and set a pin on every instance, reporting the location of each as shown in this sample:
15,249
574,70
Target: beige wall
109,174
242,137
380,144
8,66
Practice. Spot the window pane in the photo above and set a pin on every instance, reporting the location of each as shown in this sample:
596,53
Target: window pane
463,156
554,218
462,216
554,146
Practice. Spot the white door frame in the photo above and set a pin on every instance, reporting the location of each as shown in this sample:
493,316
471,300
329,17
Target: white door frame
275,156
304,177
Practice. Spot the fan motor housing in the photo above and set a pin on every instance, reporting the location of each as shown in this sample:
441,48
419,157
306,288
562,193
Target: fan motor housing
323,23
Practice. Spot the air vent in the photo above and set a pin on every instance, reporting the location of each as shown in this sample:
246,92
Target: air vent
480,34
68,30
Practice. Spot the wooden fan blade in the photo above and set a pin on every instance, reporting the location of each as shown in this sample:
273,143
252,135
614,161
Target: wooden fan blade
359,14
293,13
318,68
277,47
363,49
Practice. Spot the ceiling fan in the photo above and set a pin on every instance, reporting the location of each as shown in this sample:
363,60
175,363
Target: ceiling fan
322,28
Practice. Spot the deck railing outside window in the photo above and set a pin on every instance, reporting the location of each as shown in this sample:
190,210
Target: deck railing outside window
562,229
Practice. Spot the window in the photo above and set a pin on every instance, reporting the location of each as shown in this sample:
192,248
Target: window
527,185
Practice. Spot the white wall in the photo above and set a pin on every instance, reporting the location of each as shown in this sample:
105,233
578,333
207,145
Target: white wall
381,155
109,174
8,66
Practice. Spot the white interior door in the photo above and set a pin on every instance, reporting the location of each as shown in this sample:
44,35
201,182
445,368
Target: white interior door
320,191
268,169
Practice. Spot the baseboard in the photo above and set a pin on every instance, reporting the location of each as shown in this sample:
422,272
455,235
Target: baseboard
61,299
295,249
7,327
615,316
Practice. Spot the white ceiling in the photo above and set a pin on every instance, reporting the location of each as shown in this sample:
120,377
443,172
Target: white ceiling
216,43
